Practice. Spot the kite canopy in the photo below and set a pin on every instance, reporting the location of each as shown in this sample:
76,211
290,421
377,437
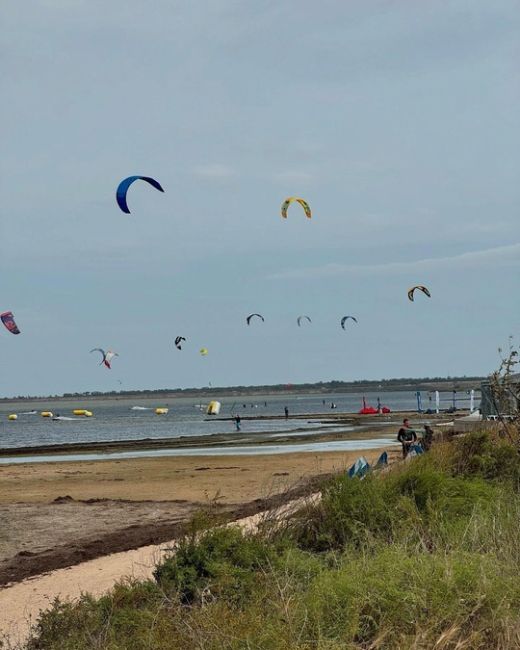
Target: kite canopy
345,318
178,340
300,318
302,202
8,320
123,186
106,356
421,288
203,351
248,319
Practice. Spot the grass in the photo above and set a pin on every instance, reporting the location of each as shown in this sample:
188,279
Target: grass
425,556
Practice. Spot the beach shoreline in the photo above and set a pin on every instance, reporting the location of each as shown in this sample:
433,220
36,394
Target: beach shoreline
63,513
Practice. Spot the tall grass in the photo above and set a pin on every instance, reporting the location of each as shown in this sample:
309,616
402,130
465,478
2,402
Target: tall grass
425,556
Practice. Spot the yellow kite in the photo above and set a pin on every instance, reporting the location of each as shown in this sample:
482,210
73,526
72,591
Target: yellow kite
302,202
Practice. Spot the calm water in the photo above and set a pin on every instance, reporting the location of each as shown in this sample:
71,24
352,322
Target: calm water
114,420
231,450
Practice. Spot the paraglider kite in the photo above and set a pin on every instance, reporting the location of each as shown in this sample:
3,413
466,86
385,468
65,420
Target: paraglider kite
106,356
302,202
300,318
8,320
421,288
178,340
203,351
123,186
345,318
248,319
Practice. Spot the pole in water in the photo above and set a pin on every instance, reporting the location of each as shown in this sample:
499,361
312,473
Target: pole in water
419,401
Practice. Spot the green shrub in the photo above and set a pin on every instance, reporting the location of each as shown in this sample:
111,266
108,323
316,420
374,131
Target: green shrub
400,506
403,598
476,454
223,561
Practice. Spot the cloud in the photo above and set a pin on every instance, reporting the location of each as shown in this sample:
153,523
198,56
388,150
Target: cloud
499,256
214,171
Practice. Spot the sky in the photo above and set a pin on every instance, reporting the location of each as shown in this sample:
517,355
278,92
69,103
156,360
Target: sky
396,120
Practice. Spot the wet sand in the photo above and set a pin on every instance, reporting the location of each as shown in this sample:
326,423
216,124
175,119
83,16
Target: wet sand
58,514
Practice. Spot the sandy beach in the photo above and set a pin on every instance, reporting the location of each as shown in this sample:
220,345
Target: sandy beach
58,514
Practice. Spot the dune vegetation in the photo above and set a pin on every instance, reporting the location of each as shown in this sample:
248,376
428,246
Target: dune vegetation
426,555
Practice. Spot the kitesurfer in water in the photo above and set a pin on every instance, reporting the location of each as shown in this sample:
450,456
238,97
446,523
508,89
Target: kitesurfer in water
286,411
237,421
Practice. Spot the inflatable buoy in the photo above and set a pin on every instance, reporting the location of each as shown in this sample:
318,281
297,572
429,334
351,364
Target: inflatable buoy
213,408
46,414
87,414
13,416
79,411
161,411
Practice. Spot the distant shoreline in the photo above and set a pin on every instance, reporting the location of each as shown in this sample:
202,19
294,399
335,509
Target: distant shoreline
320,388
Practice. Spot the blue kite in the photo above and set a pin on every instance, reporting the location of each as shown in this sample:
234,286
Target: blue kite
123,186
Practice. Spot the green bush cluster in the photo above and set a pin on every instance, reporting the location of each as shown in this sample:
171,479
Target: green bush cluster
221,563
424,556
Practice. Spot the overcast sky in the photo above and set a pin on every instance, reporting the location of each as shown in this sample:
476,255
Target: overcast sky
398,121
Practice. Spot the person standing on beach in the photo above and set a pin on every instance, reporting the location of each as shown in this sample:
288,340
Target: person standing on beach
286,411
406,436
427,438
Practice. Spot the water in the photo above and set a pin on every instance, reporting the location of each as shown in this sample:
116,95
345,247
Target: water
114,420
231,450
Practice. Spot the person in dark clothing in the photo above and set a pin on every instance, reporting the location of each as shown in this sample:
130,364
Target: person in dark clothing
237,421
406,436
427,438
286,411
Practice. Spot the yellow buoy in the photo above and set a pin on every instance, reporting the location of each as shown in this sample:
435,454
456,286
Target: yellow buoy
79,411
213,408
161,411
13,416
46,414
88,414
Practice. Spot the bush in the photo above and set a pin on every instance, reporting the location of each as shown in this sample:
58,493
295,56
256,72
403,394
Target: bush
402,506
398,600
476,454
223,561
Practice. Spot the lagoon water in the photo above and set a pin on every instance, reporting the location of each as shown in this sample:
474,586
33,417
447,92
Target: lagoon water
231,450
115,420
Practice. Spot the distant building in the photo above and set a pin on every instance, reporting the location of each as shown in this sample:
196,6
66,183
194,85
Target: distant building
508,404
